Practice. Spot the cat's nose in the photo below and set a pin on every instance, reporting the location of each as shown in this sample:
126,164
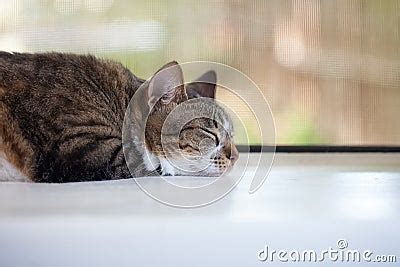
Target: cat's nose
234,154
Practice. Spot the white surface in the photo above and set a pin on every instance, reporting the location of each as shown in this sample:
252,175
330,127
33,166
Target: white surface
309,201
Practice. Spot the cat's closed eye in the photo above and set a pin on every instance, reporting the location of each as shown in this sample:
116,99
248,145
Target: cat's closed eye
199,139
203,137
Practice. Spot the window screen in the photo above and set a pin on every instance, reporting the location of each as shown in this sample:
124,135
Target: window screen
330,70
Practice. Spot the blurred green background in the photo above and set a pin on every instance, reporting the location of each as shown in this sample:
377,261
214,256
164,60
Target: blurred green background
330,70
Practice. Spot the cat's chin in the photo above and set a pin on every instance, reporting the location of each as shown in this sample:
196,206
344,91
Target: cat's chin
209,173
199,173
168,169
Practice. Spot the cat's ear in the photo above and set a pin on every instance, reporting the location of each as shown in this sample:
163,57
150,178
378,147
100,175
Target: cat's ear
167,85
204,87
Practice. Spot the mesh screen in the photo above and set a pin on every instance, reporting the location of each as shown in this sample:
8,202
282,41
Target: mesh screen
329,69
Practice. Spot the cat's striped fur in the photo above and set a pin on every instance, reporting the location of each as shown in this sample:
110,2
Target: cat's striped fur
62,115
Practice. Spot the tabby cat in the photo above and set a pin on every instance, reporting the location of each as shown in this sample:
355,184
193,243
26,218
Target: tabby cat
61,118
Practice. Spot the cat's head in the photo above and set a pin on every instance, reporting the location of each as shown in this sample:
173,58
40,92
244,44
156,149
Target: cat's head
206,141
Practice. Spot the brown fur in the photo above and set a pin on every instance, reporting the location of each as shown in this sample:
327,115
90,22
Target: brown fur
62,115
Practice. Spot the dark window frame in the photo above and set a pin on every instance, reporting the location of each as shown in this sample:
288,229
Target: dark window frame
319,149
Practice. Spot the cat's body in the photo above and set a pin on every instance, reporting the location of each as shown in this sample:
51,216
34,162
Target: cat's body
62,116
55,108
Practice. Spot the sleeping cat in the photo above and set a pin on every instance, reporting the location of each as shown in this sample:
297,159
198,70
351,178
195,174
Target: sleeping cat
62,117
